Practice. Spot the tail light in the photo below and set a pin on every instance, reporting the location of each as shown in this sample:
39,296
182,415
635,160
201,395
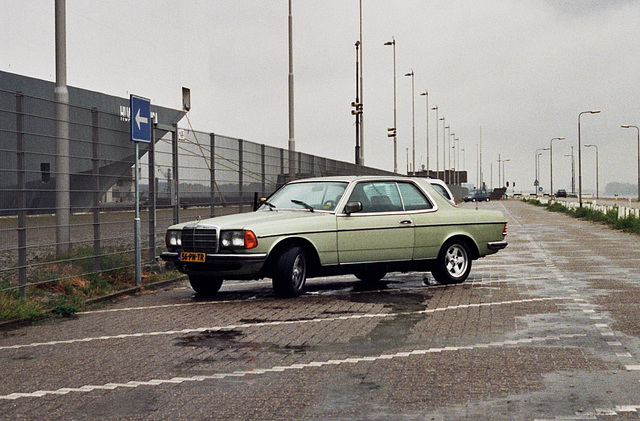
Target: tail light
504,229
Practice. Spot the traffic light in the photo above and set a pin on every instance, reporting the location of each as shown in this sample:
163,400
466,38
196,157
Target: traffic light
357,108
391,132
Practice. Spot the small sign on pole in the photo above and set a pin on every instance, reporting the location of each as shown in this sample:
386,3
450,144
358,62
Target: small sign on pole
140,119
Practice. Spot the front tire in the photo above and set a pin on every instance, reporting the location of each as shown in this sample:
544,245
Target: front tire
205,285
290,273
453,263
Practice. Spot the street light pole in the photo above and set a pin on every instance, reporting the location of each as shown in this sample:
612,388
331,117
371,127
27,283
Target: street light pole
551,160
393,131
538,153
580,154
573,171
413,120
426,95
638,131
597,166
435,108
292,142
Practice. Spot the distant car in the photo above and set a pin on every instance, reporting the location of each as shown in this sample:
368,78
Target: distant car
366,226
442,188
561,193
477,196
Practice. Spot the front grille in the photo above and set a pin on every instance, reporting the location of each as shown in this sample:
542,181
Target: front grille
200,240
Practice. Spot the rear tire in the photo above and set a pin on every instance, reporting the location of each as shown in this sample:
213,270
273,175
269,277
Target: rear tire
205,285
453,263
290,273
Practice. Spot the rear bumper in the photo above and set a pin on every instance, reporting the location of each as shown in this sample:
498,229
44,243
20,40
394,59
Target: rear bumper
497,245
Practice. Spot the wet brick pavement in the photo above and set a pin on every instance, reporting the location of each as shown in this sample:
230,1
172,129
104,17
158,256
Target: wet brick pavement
547,329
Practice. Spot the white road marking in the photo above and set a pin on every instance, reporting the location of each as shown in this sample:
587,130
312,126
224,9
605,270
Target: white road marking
278,323
277,369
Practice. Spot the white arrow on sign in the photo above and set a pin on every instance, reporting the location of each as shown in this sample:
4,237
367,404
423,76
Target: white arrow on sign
139,119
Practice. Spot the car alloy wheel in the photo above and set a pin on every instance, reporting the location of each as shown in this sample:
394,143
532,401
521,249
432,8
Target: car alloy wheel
290,273
453,263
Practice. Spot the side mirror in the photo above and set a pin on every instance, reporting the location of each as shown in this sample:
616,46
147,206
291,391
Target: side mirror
352,207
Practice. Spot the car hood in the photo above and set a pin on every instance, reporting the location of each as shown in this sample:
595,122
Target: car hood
264,222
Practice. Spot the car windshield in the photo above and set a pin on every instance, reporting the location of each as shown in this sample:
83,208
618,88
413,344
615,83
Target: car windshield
313,195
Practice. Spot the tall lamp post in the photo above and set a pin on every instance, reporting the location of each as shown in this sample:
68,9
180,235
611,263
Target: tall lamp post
504,174
597,166
357,106
551,160
426,95
580,154
443,145
573,171
413,120
435,108
538,153
638,131
393,130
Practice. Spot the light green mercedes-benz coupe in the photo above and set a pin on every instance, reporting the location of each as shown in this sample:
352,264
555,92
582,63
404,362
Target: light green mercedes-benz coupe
366,226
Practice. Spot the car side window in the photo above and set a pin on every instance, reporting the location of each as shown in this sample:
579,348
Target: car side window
381,196
413,197
441,190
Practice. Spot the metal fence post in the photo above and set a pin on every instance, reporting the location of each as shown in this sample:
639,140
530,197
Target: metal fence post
175,197
240,175
263,167
212,173
95,173
151,201
22,204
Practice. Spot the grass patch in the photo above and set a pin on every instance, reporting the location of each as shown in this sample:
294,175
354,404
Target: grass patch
63,285
630,223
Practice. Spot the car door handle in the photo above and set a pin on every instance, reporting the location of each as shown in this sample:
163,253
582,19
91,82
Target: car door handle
406,221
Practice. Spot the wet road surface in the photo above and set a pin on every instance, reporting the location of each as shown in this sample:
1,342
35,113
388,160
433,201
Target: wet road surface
547,329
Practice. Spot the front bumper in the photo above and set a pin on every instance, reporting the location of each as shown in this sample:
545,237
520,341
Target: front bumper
226,265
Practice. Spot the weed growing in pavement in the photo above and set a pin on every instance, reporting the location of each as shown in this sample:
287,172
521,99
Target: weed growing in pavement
63,284
630,223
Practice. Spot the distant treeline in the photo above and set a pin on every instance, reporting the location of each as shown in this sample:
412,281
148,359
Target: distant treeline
620,189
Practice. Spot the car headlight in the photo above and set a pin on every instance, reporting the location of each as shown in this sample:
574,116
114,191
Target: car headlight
236,240
173,239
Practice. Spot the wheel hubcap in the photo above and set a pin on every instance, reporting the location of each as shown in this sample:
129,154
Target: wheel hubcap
298,271
456,260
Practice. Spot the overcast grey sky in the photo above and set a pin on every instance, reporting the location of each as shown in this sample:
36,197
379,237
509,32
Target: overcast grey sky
517,71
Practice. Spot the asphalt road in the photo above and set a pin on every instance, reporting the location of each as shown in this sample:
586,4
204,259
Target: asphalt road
547,329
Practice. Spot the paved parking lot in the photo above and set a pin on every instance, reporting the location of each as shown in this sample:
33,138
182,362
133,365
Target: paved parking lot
547,329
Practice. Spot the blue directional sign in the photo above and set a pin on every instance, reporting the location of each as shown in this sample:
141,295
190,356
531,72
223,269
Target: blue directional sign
140,119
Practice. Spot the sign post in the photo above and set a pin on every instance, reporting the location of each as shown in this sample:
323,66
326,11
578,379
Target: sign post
140,129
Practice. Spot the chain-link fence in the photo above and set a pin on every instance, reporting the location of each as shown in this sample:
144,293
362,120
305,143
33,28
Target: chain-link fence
184,175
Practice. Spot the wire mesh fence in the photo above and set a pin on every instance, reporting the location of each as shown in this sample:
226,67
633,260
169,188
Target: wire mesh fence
184,174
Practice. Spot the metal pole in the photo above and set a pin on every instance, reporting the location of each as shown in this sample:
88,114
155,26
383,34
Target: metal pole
61,96
361,157
136,228
22,205
292,142
395,127
580,154
175,193
357,108
96,189
437,143
212,172
151,208
413,121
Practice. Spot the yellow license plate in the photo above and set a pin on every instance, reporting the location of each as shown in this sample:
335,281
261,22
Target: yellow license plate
193,257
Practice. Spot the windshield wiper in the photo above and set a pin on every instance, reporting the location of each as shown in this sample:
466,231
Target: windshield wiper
301,203
270,205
